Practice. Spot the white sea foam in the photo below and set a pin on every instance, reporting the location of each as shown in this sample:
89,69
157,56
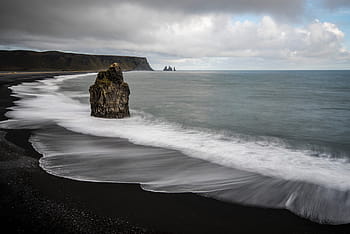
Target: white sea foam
42,103
225,167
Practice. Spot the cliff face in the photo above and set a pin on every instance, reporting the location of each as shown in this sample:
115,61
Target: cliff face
109,95
22,60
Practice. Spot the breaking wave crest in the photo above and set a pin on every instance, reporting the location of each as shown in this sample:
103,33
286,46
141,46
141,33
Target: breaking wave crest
169,157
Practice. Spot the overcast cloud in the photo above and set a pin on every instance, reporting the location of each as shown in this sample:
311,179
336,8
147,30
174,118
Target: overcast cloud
336,3
186,33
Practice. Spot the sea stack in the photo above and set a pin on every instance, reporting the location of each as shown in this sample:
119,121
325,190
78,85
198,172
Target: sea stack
109,95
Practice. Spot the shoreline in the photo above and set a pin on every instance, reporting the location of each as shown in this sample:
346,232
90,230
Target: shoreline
33,200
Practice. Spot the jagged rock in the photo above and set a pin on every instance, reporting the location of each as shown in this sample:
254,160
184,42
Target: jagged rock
167,68
109,95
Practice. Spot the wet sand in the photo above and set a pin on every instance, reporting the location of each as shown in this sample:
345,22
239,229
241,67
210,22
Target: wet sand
32,201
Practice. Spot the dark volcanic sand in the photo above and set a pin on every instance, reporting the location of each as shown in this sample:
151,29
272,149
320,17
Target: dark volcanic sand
32,201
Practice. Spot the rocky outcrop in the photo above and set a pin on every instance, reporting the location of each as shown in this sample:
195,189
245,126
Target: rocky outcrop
109,95
169,68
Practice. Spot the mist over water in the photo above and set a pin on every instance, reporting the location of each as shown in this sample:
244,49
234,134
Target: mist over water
271,139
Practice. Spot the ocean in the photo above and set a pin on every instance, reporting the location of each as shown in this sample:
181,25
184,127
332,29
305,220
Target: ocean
276,139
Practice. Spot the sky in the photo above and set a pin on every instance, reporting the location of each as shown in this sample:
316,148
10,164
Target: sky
187,34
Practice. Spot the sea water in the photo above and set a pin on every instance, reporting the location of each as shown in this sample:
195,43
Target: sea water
278,139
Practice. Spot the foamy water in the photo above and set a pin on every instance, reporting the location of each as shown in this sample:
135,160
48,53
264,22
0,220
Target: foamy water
259,171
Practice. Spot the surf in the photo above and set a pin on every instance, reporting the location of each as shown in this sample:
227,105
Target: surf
225,166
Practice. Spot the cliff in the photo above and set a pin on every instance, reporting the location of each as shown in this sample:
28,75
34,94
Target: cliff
24,60
109,95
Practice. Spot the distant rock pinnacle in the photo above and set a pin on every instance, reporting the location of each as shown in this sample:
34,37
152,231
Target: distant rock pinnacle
169,68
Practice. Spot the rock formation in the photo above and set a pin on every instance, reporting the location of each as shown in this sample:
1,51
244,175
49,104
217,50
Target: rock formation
167,68
109,95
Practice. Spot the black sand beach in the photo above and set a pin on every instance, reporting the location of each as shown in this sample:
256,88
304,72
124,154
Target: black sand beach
32,201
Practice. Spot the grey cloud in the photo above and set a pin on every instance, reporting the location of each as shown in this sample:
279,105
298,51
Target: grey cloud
285,8
174,29
336,3
277,7
118,19
34,13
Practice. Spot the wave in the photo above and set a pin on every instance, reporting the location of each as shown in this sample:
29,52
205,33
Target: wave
226,167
